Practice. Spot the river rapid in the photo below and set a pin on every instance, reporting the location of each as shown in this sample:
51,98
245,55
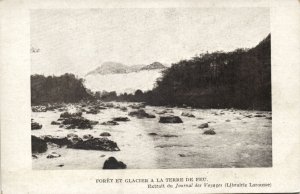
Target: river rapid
243,139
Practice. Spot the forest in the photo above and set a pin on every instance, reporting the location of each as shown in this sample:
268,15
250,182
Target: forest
238,79
65,88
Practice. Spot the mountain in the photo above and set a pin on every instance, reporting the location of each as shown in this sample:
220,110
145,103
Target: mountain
112,76
155,65
110,68
119,68
135,68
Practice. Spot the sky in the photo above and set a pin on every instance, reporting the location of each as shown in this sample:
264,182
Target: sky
79,40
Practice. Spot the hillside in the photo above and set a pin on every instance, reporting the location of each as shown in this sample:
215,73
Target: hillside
238,79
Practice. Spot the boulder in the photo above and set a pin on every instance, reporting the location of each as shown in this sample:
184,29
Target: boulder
92,111
113,163
102,144
186,114
38,145
100,107
110,123
53,155
203,125
161,112
61,141
152,134
123,108
165,111
88,136
52,107
34,156
137,106
61,109
209,132
106,134
93,122
55,123
69,115
39,109
35,126
259,115
108,105
73,140
121,119
168,135
141,114
77,122
72,135
170,119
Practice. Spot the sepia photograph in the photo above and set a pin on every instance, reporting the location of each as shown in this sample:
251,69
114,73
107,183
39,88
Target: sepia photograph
150,88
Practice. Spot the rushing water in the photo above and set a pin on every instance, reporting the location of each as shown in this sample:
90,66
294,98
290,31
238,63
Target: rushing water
239,141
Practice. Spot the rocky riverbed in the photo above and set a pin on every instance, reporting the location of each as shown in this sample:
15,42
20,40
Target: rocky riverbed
135,136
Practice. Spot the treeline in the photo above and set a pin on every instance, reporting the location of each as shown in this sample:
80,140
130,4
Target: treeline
65,88
238,79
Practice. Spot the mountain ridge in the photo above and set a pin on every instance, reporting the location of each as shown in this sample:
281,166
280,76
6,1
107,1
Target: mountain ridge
110,67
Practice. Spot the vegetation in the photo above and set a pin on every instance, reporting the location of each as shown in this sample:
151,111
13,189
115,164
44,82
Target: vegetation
239,79
65,88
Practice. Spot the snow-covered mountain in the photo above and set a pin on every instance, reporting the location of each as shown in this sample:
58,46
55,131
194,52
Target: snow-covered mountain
111,76
155,65
110,68
119,68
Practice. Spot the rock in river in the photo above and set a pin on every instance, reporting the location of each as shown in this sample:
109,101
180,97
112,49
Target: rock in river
110,123
141,114
69,115
203,125
92,111
39,109
35,126
53,155
113,163
78,122
121,119
170,119
61,141
169,135
55,123
88,136
209,132
186,114
137,106
152,134
38,145
103,144
105,134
